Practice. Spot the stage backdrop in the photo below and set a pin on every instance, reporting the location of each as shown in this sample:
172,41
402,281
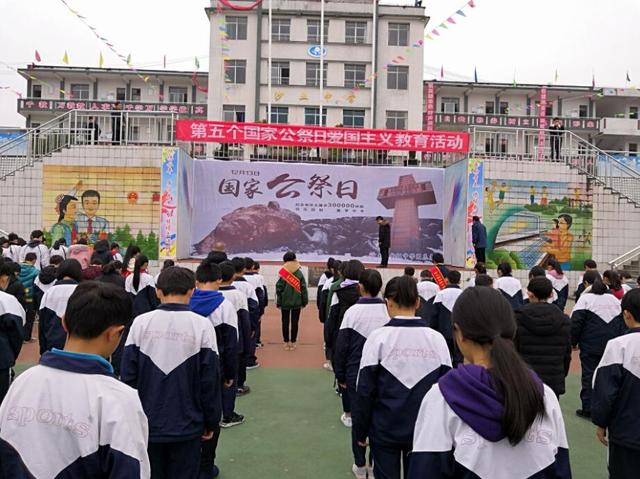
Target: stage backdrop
264,209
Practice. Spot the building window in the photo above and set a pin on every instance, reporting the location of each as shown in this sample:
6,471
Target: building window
236,28
583,111
313,31
450,105
233,113
280,73
121,94
504,145
279,114
313,74
355,32
136,94
397,120
633,112
504,107
397,77
489,107
398,34
80,91
312,116
354,74
235,71
549,110
177,94
134,133
353,118
36,91
281,29
633,149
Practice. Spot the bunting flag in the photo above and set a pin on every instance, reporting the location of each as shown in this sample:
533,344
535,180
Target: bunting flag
442,72
555,77
628,77
444,25
65,58
475,74
38,57
593,80
129,59
429,37
197,63
100,61
8,88
450,20
515,84
472,4
461,13
164,62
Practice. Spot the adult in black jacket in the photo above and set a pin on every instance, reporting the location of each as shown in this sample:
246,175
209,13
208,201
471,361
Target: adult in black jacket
543,337
384,240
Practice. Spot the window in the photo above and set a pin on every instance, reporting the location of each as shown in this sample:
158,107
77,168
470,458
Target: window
312,116
134,133
280,72
397,77
450,105
504,107
489,107
397,120
353,118
398,34
633,112
279,114
236,27
354,74
233,113
489,145
633,149
121,94
281,29
313,74
549,109
504,145
36,91
355,32
80,91
177,94
313,31
235,71
136,94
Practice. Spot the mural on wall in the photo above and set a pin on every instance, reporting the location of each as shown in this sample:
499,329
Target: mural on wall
455,209
120,204
529,220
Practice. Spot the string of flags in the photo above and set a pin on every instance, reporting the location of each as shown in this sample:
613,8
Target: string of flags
450,20
12,90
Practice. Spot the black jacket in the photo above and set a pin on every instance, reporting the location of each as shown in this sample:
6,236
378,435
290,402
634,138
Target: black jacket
47,276
384,235
543,339
16,289
347,297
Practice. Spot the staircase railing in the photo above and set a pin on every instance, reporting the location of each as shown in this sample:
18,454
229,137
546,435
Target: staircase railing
625,258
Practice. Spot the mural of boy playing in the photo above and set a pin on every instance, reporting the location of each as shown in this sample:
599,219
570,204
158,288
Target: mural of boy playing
96,227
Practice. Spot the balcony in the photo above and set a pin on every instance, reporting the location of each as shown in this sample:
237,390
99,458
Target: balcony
620,126
511,121
57,106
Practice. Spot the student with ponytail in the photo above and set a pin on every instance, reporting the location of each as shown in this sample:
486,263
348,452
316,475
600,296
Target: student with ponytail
509,286
493,406
559,281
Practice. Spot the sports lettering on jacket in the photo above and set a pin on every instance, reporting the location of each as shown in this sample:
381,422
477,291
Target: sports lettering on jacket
26,415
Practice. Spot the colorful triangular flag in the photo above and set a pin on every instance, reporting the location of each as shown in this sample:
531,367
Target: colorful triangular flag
164,62
628,77
444,25
100,61
442,72
593,80
472,4
429,37
129,59
435,32
38,57
197,63
555,77
461,13
65,58
451,20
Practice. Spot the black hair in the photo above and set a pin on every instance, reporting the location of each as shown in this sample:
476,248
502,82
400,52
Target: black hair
403,290
426,274
454,277
13,237
69,268
83,241
624,275
112,268
589,263
330,262
505,268
115,245
379,218
371,281
631,302
132,252
289,256
256,265
5,269
208,272
60,242
337,264
141,260
353,269
90,194
36,233
94,307
30,257
480,268
594,279
555,265
3,240
437,258
168,263
540,287
238,264
537,271
248,263
15,267
484,280
56,259
227,270
101,246
217,256
176,280
614,279
567,218
476,218
96,259
484,316
409,271
62,209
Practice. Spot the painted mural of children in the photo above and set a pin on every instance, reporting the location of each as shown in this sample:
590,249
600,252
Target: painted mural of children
562,243
96,227
502,192
576,198
544,201
66,225
489,193
532,195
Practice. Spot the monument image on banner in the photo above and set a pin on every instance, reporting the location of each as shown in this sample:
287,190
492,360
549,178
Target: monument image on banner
264,209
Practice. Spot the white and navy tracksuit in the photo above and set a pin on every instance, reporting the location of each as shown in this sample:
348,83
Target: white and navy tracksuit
257,281
69,417
596,319
171,358
359,321
41,252
12,320
240,302
459,434
52,309
427,291
561,288
12,253
615,404
400,362
254,315
511,289
443,303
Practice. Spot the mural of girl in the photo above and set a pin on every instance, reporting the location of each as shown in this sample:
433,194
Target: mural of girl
489,192
562,242
544,201
66,225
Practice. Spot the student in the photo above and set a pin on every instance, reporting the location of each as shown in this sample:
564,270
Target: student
484,280
427,290
441,320
491,417
395,374
13,251
543,337
94,270
478,269
257,283
102,250
509,286
616,388
115,252
409,271
360,320
112,273
611,278
207,301
54,303
596,318
438,260
104,429
559,281
168,263
627,281
45,280
323,309
291,297
142,287
171,358
326,276
59,248
37,246
129,260
241,283
539,272
28,274
265,295
12,319
589,265
15,287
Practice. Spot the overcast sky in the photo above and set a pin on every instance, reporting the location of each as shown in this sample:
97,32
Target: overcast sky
532,38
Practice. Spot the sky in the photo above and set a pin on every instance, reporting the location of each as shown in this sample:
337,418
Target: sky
501,38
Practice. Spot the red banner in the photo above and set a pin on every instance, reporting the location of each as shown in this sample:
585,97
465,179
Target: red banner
544,124
437,277
321,137
430,114
290,279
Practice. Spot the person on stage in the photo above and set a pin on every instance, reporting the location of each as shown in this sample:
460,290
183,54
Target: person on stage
384,240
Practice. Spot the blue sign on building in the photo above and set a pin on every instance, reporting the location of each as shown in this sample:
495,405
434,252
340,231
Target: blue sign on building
316,52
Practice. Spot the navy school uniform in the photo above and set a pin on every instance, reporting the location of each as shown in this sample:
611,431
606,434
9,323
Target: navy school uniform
443,303
459,434
171,358
595,319
45,280
254,315
561,288
511,289
52,308
241,304
345,296
427,291
12,319
400,362
359,321
616,389
70,417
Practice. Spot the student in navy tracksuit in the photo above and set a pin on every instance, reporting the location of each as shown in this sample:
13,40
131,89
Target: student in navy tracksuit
491,417
427,289
441,319
70,416
509,286
265,302
596,318
559,281
171,358
241,283
12,319
400,362
54,302
616,388
360,320
257,283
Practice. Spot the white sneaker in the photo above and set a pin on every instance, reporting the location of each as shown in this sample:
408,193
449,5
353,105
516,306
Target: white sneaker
359,472
370,472
327,366
346,420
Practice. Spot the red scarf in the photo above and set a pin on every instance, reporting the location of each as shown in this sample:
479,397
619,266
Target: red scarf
290,279
437,277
